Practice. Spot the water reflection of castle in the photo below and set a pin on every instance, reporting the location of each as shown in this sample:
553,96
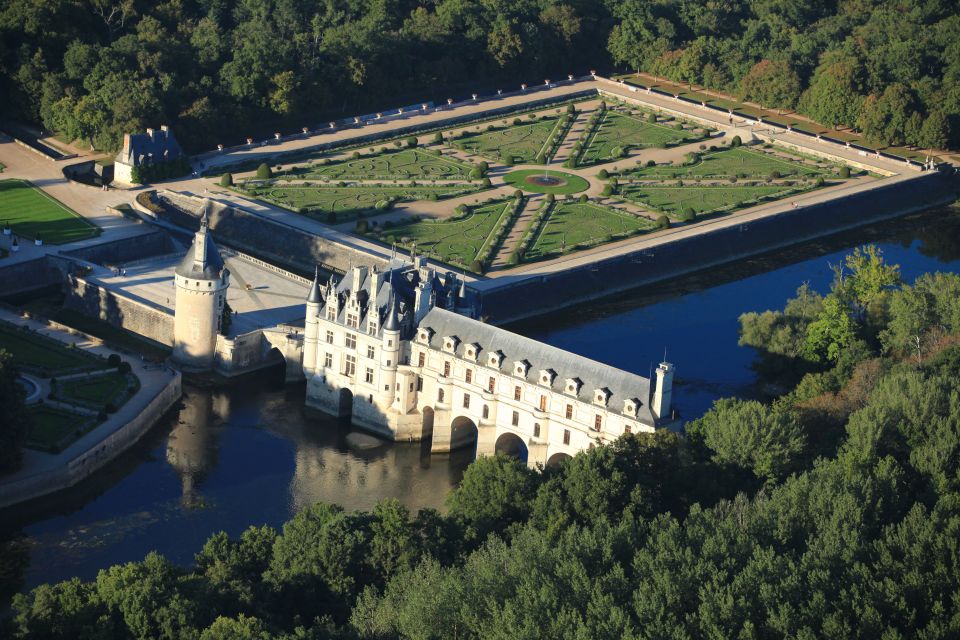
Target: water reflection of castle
191,446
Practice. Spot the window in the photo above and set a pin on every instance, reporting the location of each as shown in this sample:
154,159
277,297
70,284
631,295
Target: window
419,383
350,341
466,401
371,353
331,313
491,384
536,429
328,360
389,343
566,436
439,395
597,422
543,403
353,320
349,365
468,376
515,419
486,412
372,327
329,337
569,412
368,377
516,393
626,429
389,362
446,369
422,360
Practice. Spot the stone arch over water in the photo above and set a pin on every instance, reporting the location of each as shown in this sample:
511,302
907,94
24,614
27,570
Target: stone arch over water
512,445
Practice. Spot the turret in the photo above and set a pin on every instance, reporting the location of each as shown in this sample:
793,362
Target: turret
390,351
664,390
312,326
201,282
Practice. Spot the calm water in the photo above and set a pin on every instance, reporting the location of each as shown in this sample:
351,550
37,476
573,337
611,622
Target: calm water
251,454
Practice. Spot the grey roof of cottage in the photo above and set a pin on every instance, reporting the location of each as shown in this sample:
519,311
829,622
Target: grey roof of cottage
622,385
212,263
162,146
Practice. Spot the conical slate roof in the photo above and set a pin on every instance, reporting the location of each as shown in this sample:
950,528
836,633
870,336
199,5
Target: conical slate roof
391,323
208,264
314,295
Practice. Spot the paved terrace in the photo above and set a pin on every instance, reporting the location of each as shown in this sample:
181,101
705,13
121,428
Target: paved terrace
260,297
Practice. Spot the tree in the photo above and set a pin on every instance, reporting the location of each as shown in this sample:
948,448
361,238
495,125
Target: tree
831,333
503,44
833,96
264,172
14,420
241,628
772,83
935,132
495,492
887,119
750,435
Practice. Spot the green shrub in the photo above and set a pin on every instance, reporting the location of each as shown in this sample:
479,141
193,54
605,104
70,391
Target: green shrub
264,172
602,174
583,199
651,163
607,191
818,182
476,266
331,217
113,360
571,109
226,180
362,226
663,222
517,121
736,141
652,118
124,368
438,137
412,141
688,215
678,127
844,172
476,173
551,197
774,175
483,166
517,194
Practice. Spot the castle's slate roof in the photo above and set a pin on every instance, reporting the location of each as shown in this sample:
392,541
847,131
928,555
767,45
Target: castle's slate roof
144,148
212,264
622,385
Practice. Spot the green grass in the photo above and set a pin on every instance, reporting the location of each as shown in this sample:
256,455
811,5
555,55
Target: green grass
673,200
404,164
31,213
54,428
98,389
732,162
622,131
38,352
572,184
523,142
572,225
456,240
349,202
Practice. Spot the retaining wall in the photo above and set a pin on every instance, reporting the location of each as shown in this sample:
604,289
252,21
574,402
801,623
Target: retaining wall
26,276
142,318
509,298
151,244
84,464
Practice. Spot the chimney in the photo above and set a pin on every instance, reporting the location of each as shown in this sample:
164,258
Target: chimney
126,144
150,133
166,131
663,392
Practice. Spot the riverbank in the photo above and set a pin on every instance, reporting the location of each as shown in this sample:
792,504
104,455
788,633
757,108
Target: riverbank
44,473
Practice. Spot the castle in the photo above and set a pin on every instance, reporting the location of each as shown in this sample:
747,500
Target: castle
396,352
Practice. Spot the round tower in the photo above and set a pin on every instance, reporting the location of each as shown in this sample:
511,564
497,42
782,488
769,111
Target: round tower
201,281
311,327
390,351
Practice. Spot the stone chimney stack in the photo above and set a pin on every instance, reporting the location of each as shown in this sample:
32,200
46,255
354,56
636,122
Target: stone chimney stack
126,144
663,392
165,129
150,133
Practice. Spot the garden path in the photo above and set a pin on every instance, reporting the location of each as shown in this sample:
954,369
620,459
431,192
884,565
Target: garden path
520,225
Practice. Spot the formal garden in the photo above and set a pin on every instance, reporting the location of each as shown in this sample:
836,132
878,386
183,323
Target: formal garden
533,141
739,161
615,131
398,164
31,213
682,202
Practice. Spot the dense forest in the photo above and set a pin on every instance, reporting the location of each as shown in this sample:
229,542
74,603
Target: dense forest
222,69
831,512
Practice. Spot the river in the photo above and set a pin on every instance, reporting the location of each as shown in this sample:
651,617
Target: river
250,453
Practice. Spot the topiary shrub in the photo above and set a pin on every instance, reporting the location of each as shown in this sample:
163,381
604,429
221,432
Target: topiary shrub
688,215
652,118
264,172
736,141
551,197
607,191
476,266
844,172
583,199
412,141
818,182
362,226
651,163
226,180
124,367
663,222
774,175
438,137
518,194
476,173
602,174
113,360
486,182
678,127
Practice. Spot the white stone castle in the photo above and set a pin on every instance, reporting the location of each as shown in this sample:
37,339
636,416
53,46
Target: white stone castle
394,351
378,348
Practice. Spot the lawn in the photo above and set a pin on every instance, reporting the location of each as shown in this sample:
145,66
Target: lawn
732,162
404,164
673,200
348,202
458,240
567,182
53,428
38,352
97,389
31,213
523,142
621,131
571,225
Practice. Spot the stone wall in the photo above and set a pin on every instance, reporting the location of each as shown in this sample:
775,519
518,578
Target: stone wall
148,245
96,456
95,301
543,293
27,276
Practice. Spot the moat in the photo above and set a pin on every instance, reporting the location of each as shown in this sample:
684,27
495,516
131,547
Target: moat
251,454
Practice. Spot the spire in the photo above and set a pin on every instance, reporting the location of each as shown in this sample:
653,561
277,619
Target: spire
392,323
463,287
314,296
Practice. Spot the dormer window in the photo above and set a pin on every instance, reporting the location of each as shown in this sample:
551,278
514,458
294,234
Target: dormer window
495,359
521,367
372,327
472,351
630,407
547,376
572,386
601,396
424,335
450,343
